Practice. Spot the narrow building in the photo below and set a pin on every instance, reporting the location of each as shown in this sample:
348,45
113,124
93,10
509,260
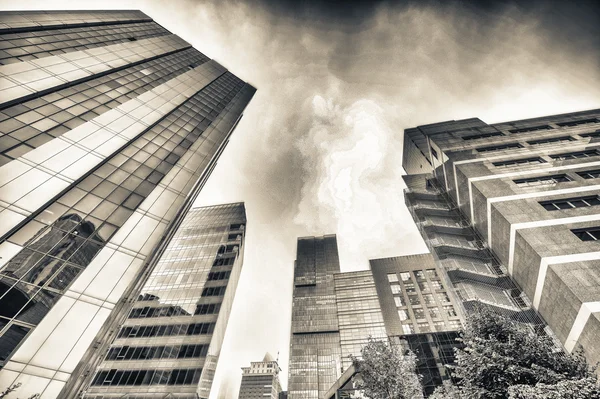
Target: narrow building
261,380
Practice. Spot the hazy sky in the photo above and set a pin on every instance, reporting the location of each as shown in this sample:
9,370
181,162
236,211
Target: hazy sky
318,150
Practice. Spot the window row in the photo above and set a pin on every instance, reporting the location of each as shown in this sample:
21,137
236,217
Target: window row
569,203
482,135
165,311
559,178
166,330
157,352
224,261
15,47
214,291
588,233
499,147
147,377
219,275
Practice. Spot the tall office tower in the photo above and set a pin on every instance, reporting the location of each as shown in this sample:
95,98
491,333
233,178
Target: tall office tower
333,315
261,380
110,127
170,341
315,352
419,312
511,213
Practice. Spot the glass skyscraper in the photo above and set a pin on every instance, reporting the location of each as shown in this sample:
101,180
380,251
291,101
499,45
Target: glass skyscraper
110,125
171,339
315,351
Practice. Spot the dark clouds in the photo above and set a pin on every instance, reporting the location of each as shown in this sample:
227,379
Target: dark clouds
318,149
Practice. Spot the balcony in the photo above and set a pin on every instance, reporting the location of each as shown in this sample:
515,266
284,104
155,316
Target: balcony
488,295
426,194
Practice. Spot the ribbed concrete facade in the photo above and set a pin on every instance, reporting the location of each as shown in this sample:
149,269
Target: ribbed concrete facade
110,127
523,195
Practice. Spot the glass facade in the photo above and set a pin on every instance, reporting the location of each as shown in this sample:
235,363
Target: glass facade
315,351
169,336
109,127
359,313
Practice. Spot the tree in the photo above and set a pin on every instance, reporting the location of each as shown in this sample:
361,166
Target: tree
500,353
387,373
13,388
585,388
446,391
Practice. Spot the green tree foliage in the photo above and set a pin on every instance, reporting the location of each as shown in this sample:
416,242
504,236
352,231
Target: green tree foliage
500,353
387,373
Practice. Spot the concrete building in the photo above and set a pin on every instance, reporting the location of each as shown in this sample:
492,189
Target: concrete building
261,380
510,212
110,126
170,341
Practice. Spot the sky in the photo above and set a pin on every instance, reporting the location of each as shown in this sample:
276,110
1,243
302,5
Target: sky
319,148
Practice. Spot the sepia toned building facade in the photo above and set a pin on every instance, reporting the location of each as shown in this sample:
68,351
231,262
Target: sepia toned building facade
171,339
419,312
110,126
510,212
261,380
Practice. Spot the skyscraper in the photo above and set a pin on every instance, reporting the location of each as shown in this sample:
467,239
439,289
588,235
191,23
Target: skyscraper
315,351
171,339
110,127
510,211
333,315
261,380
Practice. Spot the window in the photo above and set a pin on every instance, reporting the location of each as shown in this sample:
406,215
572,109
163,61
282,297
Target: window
419,275
450,311
551,140
592,134
214,291
568,203
577,123
499,147
455,324
434,313
396,289
405,276
434,153
403,314
575,155
541,180
414,300
399,301
437,285
428,298
419,313
431,273
530,129
590,174
392,277
408,329
424,327
482,135
514,162
588,233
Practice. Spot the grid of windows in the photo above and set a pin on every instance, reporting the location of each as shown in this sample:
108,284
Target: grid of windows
147,377
157,352
541,180
219,275
590,174
515,162
33,123
575,155
531,129
569,203
577,123
482,135
166,330
164,311
23,46
71,231
499,147
551,140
